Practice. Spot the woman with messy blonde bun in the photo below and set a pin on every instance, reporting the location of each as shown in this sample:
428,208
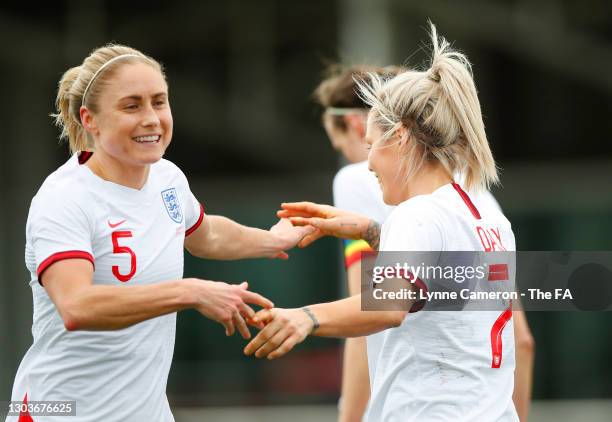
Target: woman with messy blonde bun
439,107
428,149
106,234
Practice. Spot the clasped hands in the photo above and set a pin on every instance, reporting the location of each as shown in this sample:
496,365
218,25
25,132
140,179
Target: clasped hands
282,329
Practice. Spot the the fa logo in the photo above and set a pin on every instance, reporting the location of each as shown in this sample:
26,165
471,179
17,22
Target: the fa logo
172,204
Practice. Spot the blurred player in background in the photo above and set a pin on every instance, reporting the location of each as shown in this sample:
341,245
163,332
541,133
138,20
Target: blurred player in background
105,239
355,189
424,128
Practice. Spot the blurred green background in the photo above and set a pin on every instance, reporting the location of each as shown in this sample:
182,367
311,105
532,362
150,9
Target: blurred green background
248,136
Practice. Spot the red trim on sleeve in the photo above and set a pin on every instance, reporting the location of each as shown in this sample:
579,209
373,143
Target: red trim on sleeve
59,256
197,224
419,304
25,416
467,201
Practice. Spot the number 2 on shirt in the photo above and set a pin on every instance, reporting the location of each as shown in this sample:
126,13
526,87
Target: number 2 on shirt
123,249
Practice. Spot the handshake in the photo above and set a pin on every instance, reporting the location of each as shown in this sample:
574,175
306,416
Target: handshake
281,329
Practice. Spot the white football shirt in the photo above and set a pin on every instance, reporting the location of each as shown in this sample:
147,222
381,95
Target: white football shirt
356,189
132,237
443,365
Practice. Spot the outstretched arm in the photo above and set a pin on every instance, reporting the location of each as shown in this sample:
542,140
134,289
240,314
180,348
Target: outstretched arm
343,318
221,238
331,221
83,305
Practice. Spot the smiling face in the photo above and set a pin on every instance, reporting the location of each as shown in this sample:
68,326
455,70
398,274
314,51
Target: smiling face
132,126
385,161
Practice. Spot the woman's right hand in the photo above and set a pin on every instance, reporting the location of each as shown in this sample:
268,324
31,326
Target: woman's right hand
227,304
330,221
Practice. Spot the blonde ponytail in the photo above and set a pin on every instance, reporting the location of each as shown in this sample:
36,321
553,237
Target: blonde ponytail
458,93
67,117
440,109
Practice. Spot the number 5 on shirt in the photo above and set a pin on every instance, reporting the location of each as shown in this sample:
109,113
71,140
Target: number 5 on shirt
123,249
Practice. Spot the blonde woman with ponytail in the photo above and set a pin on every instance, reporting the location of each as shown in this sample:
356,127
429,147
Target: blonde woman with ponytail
105,239
424,128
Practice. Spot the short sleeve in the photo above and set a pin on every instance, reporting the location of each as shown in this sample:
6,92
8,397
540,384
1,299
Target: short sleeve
58,229
412,235
194,210
411,230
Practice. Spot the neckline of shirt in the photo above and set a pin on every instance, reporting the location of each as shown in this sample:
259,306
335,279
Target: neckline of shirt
438,190
112,186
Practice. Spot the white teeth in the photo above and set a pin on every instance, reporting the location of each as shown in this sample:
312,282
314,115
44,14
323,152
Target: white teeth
150,138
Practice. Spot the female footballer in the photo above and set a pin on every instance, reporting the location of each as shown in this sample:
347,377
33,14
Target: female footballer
423,128
105,239
356,189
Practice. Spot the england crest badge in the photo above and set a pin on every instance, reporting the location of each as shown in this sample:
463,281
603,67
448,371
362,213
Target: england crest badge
173,206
